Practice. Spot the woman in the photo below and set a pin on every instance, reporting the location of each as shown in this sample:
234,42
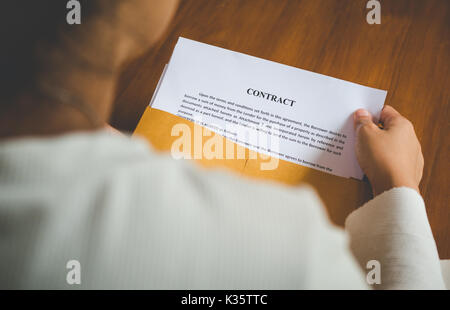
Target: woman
70,191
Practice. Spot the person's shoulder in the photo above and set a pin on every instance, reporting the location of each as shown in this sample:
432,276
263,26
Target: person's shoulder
157,178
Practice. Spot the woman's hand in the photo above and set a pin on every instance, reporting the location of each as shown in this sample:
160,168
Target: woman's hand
392,156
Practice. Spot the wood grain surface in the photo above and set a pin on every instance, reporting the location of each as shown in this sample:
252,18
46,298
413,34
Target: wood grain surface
407,54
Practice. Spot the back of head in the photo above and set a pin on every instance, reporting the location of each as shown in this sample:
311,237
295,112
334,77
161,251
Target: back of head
28,29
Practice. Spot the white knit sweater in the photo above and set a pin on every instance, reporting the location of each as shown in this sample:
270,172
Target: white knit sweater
136,219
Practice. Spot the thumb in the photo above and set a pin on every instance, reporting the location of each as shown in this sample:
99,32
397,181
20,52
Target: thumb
389,116
362,118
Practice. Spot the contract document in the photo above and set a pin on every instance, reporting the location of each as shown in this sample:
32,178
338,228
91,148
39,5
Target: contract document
274,109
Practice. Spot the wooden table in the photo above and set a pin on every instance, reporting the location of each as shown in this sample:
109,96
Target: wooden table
407,54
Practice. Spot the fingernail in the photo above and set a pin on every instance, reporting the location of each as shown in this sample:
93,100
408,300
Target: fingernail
361,113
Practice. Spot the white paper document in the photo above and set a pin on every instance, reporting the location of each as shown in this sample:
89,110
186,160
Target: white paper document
289,113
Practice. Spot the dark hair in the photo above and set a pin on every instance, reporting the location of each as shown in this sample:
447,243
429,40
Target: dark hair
25,26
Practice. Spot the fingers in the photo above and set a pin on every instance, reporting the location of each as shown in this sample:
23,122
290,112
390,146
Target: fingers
389,116
362,118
